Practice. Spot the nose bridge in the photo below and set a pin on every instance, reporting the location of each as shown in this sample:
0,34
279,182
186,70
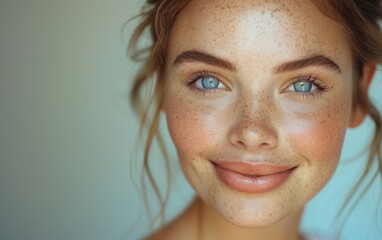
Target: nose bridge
254,107
253,127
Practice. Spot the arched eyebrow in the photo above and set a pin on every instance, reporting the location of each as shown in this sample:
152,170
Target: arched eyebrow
203,57
315,60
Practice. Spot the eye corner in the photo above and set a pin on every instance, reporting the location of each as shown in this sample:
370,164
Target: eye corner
209,76
309,85
207,83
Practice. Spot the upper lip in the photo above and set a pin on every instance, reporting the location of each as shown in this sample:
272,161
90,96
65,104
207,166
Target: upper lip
251,168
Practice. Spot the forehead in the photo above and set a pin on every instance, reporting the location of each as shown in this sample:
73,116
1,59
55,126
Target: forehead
235,28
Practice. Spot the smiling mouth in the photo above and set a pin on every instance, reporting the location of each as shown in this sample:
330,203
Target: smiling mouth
252,177
257,175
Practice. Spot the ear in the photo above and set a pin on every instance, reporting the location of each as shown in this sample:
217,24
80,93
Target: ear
358,114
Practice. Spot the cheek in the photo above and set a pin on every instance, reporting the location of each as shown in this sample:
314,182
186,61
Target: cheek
191,127
193,131
319,135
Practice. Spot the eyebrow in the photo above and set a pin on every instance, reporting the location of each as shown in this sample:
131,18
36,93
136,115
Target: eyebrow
198,56
315,60
203,57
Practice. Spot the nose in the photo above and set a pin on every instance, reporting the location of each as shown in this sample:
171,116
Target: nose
253,129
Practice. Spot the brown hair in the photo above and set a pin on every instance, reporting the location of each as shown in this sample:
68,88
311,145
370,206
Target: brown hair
361,22
359,18
158,17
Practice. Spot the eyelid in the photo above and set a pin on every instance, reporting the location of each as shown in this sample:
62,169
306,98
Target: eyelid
321,86
204,74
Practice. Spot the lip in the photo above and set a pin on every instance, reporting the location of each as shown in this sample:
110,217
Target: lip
250,177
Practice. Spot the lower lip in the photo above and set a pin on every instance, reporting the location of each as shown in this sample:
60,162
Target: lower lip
243,183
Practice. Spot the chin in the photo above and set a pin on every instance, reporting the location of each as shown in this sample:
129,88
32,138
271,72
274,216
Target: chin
259,220
253,212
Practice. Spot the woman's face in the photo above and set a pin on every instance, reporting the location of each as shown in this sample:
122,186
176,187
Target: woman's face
258,97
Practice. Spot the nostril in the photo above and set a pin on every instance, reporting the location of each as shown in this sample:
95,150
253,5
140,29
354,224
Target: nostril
265,145
240,143
257,134
253,140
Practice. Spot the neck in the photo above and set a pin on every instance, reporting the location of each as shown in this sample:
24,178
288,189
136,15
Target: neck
211,225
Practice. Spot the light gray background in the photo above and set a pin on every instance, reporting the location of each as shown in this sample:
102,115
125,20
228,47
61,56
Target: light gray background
67,131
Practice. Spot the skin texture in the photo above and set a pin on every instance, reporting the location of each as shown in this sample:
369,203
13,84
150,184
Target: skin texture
255,115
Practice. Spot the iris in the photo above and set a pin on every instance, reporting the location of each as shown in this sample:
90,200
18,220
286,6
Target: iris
210,82
302,86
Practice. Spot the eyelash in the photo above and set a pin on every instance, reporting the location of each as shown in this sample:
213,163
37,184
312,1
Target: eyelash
321,87
197,76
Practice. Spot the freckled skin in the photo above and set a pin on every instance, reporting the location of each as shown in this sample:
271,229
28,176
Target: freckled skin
253,118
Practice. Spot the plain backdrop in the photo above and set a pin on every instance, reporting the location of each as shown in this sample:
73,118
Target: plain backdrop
67,131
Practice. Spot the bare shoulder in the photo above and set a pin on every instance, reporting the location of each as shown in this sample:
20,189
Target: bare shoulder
168,232
183,227
174,231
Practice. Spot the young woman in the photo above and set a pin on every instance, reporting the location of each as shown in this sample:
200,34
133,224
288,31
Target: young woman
257,96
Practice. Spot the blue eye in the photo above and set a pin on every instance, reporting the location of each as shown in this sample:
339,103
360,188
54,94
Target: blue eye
303,86
307,86
208,83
